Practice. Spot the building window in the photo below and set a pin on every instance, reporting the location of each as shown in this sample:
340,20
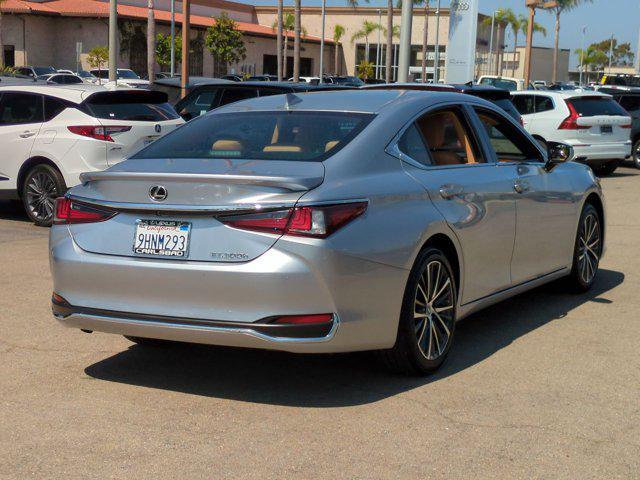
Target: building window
379,60
196,50
9,56
138,52
219,67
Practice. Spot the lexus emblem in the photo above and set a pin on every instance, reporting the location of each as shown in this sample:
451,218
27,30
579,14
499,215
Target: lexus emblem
158,128
158,193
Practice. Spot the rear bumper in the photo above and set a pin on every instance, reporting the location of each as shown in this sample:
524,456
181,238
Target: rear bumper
226,304
596,153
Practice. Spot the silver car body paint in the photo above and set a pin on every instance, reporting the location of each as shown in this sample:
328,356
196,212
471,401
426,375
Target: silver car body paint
505,242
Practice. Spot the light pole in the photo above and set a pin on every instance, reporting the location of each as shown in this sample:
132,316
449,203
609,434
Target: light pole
610,54
186,31
493,23
405,41
584,31
378,52
436,53
324,14
113,31
173,36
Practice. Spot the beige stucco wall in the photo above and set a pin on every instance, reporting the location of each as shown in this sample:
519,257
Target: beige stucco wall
541,64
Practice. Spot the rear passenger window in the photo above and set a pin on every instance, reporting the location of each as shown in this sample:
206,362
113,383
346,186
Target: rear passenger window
448,138
52,108
524,104
508,143
21,108
412,144
543,104
630,103
232,95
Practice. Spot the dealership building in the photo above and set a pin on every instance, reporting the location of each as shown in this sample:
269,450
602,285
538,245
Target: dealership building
49,32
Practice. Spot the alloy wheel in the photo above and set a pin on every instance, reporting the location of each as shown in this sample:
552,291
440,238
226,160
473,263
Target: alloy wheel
589,248
434,310
41,192
636,155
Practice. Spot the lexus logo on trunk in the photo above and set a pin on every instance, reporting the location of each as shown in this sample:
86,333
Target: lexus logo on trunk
158,193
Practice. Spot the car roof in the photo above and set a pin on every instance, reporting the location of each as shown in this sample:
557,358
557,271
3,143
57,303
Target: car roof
193,81
75,93
563,93
349,100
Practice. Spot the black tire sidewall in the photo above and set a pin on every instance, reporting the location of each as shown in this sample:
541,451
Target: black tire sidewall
635,154
406,330
576,279
57,178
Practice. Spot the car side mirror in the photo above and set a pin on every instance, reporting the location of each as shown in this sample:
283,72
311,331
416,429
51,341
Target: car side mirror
558,153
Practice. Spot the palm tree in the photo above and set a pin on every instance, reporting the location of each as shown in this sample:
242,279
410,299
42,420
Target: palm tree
519,24
338,32
561,7
592,57
297,8
288,26
503,18
151,42
367,29
1,44
279,23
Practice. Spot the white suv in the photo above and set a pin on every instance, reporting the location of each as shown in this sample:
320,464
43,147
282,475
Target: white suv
49,135
596,126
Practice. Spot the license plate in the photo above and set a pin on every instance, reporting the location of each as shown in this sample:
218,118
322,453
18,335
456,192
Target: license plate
606,129
162,238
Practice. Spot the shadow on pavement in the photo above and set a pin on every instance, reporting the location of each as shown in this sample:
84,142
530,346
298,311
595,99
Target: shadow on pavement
12,210
325,381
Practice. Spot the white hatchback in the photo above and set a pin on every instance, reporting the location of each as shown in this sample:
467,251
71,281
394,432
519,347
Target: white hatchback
49,135
596,126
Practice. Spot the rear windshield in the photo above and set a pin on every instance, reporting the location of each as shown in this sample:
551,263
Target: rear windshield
508,107
500,83
592,106
296,136
130,105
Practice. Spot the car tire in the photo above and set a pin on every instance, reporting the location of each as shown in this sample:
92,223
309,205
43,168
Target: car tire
635,154
427,320
586,261
40,188
608,168
151,342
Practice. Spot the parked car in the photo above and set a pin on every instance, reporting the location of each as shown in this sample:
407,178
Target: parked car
263,78
51,134
497,96
505,83
343,221
173,86
61,78
629,99
592,123
347,81
34,72
88,77
124,75
621,80
540,84
232,77
560,86
206,97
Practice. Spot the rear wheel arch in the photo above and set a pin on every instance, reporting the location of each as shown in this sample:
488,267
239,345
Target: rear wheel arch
444,243
595,200
28,165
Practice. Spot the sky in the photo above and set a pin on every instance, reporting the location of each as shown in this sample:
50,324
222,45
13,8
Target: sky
601,17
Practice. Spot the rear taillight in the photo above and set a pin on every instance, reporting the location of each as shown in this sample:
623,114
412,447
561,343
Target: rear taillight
627,125
571,122
69,212
98,133
309,221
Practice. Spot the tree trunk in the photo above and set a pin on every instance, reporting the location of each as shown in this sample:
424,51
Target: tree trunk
498,48
296,42
424,41
285,75
554,76
366,46
389,60
336,59
151,42
515,52
1,43
279,42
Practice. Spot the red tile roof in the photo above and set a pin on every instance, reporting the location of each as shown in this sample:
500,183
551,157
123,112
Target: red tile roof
93,8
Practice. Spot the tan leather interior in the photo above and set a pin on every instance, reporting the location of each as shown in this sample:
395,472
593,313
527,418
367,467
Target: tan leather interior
282,148
331,144
445,134
227,145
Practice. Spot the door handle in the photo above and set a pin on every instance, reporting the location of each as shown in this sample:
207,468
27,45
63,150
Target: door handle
449,191
27,134
521,186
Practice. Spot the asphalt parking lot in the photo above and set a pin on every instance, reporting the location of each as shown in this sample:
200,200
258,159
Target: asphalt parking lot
546,385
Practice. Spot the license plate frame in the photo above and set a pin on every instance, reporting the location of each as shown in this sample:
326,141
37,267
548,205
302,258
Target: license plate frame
606,129
176,228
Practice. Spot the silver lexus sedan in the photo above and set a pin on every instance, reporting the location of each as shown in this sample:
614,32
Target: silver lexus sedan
325,222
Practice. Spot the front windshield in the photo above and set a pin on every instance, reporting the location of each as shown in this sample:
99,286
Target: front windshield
44,70
85,74
128,74
510,85
280,135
